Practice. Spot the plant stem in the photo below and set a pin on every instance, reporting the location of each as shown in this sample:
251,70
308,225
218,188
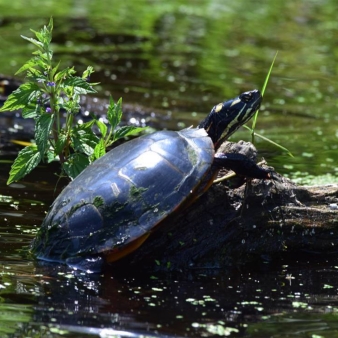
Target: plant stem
56,123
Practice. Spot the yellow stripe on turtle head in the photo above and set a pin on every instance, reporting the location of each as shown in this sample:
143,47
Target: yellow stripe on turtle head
235,102
218,107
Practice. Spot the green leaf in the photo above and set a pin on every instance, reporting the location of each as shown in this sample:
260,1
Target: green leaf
75,165
43,127
80,85
28,65
34,75
31,111
54,70
39,35
103,128
114,113
28,158
33,41
26,93
100,149
89,71
86,125
126,131
45,34
50,156
63,74
60,144
84,140
50,25
45,58
71,106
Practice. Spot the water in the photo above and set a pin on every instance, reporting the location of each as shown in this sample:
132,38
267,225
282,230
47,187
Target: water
175,61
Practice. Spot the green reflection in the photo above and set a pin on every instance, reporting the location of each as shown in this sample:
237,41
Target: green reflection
13,316
297,324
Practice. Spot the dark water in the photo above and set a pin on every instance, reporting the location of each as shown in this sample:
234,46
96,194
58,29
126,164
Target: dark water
176,60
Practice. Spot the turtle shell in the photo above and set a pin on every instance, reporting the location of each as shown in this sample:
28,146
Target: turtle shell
125,194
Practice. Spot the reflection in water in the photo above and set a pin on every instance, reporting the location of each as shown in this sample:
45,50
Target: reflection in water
258,302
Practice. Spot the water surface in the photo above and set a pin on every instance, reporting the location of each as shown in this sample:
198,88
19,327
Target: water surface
176,60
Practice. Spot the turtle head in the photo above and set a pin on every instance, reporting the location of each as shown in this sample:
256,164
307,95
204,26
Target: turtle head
225,118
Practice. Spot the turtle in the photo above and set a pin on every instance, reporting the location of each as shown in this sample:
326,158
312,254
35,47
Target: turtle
111,208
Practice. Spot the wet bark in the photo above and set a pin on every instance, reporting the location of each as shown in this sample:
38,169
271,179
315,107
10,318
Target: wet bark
231,227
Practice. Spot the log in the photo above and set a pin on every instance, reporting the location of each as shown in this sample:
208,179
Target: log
226,227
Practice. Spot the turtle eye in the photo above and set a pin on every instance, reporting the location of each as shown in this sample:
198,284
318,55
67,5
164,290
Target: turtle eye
246,97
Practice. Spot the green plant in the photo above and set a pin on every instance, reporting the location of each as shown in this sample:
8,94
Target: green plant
50,93
254,120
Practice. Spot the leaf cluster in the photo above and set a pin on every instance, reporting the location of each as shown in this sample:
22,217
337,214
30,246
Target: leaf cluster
48,95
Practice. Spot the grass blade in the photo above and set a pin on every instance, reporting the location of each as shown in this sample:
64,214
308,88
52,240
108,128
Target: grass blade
270,141
263,91
274,143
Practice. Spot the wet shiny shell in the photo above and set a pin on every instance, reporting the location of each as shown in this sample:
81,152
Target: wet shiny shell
125,194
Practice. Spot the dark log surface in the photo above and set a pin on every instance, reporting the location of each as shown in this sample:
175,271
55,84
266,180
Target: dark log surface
261,219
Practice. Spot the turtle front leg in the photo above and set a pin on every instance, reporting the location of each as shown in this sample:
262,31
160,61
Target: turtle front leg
241,165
